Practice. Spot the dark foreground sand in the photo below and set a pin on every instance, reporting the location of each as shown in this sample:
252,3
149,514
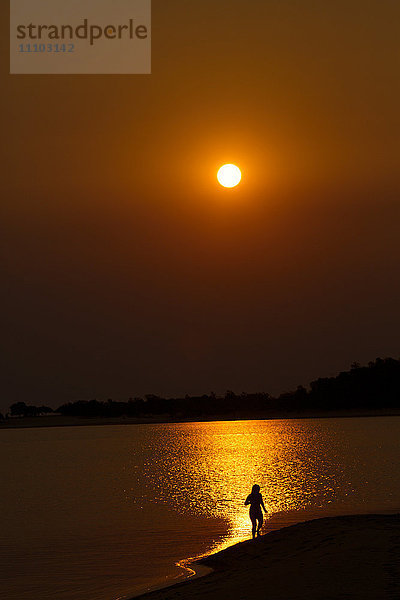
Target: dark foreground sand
352,557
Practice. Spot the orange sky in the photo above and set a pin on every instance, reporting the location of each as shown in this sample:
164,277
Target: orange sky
128,270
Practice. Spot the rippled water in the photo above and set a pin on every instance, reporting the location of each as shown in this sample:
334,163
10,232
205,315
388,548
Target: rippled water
303,467
105,512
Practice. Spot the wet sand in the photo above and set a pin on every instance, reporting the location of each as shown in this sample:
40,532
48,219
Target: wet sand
335,558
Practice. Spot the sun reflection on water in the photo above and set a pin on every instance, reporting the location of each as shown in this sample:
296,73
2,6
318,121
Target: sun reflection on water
209,468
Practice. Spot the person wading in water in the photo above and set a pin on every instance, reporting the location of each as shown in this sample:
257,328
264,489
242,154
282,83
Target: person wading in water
255,500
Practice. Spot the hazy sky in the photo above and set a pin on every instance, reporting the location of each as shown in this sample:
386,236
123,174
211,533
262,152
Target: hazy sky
127,269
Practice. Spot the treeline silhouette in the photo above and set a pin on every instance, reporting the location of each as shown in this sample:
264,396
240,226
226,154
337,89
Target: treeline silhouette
376,386
20,409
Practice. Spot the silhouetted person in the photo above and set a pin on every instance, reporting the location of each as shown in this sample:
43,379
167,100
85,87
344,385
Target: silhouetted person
255,500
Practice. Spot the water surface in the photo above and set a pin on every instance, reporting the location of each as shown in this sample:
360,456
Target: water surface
105,512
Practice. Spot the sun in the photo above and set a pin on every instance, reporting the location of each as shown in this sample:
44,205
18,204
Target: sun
229,176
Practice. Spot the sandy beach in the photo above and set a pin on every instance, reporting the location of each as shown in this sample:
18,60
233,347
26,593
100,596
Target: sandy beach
347,557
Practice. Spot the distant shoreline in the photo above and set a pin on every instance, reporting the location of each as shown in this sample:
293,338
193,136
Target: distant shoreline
61,421
353,556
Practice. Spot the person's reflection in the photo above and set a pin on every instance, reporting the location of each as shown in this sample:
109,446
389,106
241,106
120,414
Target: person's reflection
255,500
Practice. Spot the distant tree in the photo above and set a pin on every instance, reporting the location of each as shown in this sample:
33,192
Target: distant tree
83,408
43,410
154,405
134,407
31,411
300,399
18,409
373,387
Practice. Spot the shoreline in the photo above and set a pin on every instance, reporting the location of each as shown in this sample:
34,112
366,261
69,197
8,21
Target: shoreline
60,421
352,556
